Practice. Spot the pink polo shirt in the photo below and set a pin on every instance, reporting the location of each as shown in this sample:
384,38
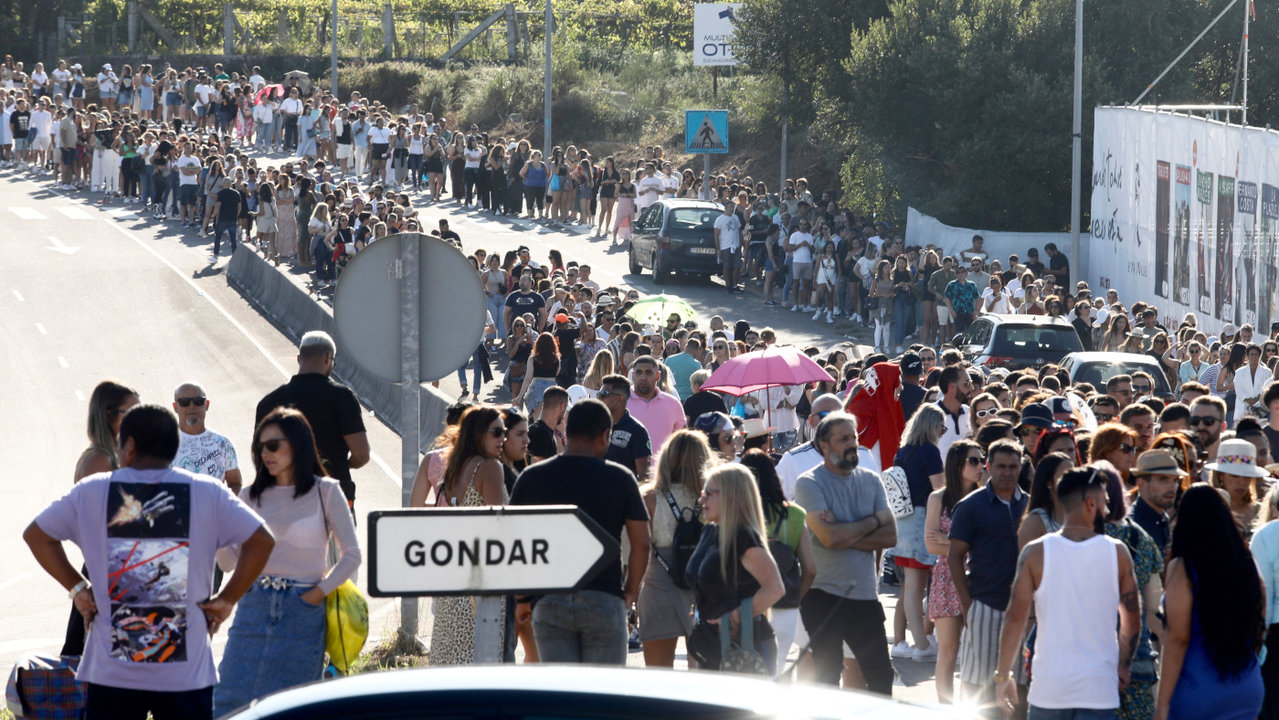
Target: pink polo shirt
660,416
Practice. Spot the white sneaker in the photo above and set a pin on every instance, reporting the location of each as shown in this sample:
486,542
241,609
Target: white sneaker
817,314
830,319
902,650
838,312
809,308
924,655
794,308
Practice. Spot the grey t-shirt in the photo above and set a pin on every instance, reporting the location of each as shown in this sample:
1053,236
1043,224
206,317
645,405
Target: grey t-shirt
845,573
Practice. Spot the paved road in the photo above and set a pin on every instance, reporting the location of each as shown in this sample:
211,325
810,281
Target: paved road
92,292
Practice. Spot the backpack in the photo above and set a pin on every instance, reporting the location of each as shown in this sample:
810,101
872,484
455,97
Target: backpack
688,532
787,565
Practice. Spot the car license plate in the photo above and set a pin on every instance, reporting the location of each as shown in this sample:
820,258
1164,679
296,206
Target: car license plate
701,251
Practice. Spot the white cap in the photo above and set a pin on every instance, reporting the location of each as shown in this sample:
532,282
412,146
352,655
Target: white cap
106,66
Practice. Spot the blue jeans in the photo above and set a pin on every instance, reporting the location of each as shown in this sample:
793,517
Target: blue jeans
148,185
265,135
497,307
783,441
588,627
231,228
323,257
276,642
477,365
1038,713
290,133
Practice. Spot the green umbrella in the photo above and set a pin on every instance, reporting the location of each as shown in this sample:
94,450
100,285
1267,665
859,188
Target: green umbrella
655,310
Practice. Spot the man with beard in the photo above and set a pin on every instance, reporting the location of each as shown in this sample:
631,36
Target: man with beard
982,561
523,301
1207,421
660,413
1080,664
957,390
201,450
849,519
1158,478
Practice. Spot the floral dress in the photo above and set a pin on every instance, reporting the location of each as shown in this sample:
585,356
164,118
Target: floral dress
943,599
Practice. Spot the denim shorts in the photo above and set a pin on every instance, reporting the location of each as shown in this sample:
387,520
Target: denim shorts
276,642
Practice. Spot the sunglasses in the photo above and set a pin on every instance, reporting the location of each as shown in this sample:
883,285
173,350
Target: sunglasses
1204,420
1127,449
1104,417
987,412
1141,389
1028,431
497,432
974,460
272,445
603,394
197,401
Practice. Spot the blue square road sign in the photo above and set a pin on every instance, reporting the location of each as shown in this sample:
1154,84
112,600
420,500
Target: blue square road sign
706,131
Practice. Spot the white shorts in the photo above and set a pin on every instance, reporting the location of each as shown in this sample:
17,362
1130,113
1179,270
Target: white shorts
343,152
41,142
943,314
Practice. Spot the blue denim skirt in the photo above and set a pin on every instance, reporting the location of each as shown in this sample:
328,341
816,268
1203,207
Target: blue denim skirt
276,642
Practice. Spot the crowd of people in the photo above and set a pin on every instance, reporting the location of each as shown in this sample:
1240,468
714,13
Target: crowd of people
1068,550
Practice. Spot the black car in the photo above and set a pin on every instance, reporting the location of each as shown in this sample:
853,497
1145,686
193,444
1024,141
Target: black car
1018,341
543,692
675,236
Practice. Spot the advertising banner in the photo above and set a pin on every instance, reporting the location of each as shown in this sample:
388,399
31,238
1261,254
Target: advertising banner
1184,216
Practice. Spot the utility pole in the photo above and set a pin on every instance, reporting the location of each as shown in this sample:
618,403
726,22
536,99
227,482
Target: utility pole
546,92
1076,150
333,54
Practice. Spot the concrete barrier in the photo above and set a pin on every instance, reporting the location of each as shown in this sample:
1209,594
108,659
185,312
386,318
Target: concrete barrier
295,311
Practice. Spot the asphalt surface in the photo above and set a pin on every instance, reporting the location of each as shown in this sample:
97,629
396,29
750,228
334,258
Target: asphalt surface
100,291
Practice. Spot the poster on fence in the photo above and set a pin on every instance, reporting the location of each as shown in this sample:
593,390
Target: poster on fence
1185,215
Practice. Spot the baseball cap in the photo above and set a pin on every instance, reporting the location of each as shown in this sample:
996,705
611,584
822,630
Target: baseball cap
1229,329
603,300
912,365
713,423
1036,415
561,317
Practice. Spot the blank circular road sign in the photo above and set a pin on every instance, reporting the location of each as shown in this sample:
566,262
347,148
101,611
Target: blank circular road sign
450,313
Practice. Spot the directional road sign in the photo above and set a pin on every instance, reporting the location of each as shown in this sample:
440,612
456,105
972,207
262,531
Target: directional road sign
706,131
485,551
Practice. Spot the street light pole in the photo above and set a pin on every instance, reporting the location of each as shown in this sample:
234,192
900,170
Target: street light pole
333,54
546,92
1076,150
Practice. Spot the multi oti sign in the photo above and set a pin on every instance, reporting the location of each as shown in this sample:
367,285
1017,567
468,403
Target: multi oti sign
713,33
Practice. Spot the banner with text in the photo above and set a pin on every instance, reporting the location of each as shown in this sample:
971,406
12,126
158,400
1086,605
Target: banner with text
713,34
1185,215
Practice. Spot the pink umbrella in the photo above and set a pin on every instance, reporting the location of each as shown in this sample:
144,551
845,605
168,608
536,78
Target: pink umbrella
267,89
770,367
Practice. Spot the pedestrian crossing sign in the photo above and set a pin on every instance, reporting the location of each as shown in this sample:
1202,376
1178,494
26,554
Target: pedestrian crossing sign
706,131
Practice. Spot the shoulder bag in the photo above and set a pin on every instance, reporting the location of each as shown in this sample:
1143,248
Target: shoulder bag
897,491
346,615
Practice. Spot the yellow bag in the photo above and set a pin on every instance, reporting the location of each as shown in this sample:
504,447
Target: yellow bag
347,625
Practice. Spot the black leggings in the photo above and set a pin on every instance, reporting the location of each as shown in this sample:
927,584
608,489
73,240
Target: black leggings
130,177
535,196
471,177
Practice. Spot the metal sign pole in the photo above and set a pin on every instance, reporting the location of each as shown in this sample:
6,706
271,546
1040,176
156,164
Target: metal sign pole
488,628
706,177
410,407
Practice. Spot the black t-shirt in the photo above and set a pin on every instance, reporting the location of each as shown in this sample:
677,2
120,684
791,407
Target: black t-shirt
1036,267
20,123
1060,266
1272,436
541,440
333,411
229,205
703,402
714,594
521,303
567,339
605,491
628,443
758,225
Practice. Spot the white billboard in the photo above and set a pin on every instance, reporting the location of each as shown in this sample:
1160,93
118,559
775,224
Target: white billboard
713,33
1185,215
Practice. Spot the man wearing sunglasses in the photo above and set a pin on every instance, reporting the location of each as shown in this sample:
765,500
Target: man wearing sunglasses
1105,409
201,450
1207,421
1119,387
629,445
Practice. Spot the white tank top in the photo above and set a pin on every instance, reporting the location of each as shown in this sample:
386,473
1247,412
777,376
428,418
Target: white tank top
1076,662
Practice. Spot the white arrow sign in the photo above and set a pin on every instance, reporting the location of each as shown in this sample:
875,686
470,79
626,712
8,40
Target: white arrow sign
485,551
57,245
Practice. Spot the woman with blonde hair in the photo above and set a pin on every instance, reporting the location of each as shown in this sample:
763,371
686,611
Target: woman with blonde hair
664,606
601,365
732,564
921,460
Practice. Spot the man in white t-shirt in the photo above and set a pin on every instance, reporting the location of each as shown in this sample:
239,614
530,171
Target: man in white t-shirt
203,96
40,133
256,81
188,167
728,239
201,450
800,245
106,86
670,181
649,188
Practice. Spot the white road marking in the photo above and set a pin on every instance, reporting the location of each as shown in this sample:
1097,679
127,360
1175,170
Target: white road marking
79,396
40,327
392,477
15,580
58,246
75,212
27,213
19,296
63,362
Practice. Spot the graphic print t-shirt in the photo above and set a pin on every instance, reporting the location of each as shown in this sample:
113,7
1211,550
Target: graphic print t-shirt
206,454
149,538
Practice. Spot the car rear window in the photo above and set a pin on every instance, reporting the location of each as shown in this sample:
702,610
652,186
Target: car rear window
1097,373
693,219
1034,339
